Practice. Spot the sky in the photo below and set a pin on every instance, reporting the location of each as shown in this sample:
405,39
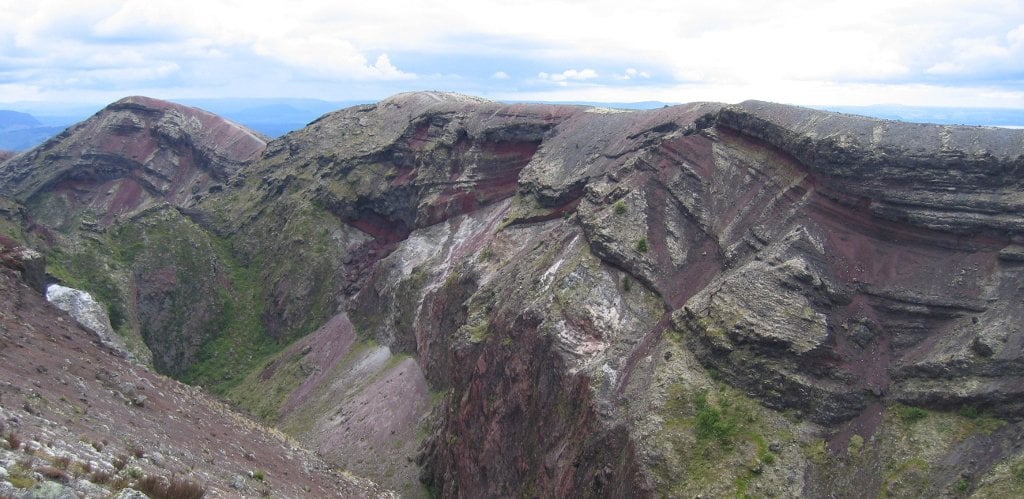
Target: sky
959,53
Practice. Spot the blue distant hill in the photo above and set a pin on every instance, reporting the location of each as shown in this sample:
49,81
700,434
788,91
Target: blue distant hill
12,120
939,115
20,131
271,117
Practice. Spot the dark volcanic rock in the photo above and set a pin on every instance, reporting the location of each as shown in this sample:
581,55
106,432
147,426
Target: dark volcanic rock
570,301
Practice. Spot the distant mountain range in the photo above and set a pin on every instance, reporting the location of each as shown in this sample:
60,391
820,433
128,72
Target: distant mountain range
939,115
19,131
34,123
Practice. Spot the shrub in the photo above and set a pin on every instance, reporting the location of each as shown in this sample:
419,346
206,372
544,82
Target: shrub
118,483
53,473
151,485
969,412
911,415
62,462
100,477
159,487
13,441
82,468
641,246
712,423
137,450
181,488
619,207
119,462
855,445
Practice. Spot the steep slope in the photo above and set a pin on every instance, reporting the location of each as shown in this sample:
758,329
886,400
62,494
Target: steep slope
108,200
78,419
536,300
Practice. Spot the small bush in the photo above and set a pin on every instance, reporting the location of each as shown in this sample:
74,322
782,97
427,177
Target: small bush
180,488
969,412
619,207
137,451
159,487
100,477
855,445
13,441
82,468
911,415
258,475
62,462
118,483
119,462
52,473
641,246
152,485
135,472
712,423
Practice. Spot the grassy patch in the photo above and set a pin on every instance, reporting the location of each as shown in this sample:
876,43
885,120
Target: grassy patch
717,439
720,423
911,415
242,343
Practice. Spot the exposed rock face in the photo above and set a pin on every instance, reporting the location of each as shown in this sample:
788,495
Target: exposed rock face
574,301
84,308
134,153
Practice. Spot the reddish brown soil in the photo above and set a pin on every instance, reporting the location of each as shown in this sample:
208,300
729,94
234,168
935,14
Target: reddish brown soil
61,388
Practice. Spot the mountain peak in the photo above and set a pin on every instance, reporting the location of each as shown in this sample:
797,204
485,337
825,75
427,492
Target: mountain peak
132,154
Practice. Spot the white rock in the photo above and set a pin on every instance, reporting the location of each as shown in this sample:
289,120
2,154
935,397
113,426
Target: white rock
86,310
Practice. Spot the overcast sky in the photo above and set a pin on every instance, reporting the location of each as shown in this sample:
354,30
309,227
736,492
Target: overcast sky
813,52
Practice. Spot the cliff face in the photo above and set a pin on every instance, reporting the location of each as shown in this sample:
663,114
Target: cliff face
555,300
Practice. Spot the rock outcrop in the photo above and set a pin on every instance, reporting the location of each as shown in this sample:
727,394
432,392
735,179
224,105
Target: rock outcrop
571,301
88,312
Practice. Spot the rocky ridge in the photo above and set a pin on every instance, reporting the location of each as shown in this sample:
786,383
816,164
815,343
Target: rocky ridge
556,300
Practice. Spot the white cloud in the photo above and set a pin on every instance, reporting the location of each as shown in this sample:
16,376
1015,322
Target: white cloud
631,74
569,74
983,56
321,48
